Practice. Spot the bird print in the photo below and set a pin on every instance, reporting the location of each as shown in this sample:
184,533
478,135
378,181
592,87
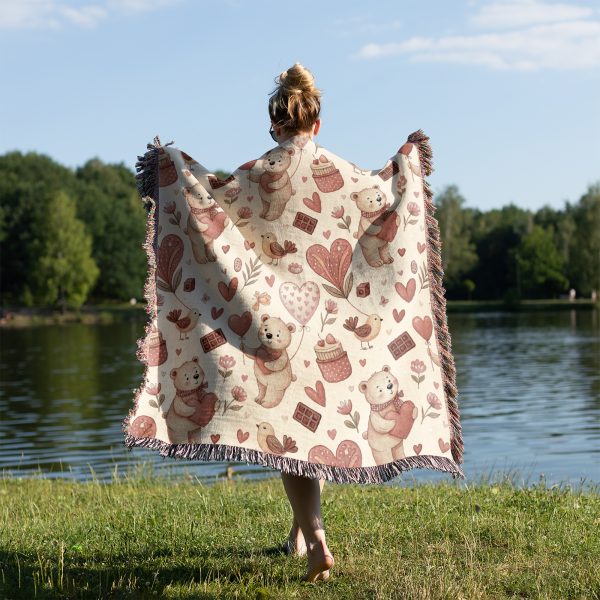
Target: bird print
268,441
365,332
272,248
184,324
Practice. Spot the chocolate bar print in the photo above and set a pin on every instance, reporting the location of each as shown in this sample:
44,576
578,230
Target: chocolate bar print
307,416
389,171
213,340
305,222
401,345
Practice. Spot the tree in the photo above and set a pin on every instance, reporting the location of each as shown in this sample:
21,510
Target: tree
65,269
540,265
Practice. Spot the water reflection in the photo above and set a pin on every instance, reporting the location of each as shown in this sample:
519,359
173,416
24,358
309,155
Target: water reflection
529,396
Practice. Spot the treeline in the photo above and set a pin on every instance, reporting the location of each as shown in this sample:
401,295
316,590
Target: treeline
69,237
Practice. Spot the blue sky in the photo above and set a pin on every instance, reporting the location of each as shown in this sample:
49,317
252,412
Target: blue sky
507,90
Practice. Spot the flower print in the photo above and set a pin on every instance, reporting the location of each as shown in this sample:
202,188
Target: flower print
331,306
434,402
413,211
418,366
337,212
243,213
226,362
345,407
170,208
239,393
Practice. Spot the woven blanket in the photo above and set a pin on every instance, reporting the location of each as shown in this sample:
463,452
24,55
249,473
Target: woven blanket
297,317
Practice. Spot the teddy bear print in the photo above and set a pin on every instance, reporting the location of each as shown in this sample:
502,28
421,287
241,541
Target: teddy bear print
377,227
272,367
193,407
390,420
205,224
274,182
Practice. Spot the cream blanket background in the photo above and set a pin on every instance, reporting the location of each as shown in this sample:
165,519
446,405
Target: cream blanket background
297,317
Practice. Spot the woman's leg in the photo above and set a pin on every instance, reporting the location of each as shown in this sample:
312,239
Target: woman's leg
304,494
296,543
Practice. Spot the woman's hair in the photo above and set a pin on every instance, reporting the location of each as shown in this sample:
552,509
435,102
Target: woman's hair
295,103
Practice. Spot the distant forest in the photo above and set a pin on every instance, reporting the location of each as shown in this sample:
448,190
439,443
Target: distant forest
72,237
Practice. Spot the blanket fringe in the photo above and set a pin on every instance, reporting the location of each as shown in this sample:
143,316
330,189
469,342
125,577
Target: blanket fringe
148,188
436,274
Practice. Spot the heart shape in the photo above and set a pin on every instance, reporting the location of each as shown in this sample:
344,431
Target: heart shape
318,394
178,351
306,363
436,385
313,203
270,280
401,251
363,362
416,194
398,316
417,448
228,291
304,178
242,436
300,301
215,312
215,437
244,377
226,248
444,446
326,234
347,454
332,433
421,247
240,323
423,326
355,179
331,264
407,291
248,244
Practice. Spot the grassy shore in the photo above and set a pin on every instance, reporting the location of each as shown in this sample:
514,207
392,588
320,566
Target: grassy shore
151,537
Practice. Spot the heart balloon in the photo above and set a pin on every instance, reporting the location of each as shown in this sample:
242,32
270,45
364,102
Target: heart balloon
301,302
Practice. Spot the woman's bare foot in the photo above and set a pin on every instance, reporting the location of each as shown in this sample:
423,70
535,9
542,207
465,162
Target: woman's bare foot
320,561
295,543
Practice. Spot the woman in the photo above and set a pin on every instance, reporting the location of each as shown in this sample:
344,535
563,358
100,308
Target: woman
294,109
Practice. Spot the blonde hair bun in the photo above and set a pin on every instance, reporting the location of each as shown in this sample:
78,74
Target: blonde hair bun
295,103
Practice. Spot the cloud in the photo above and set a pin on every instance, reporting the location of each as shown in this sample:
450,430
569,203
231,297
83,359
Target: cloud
56,14
554,36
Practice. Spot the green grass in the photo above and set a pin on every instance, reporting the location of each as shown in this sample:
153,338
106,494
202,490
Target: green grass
144,536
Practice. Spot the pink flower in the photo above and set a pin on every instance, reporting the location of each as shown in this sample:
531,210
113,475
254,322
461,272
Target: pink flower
337,212
413,208
417,366
153,390
434,401
226,361
238,393
345,408
170,208
233,192
331,306
244,212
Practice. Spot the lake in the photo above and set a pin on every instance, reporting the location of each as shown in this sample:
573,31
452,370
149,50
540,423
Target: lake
529,397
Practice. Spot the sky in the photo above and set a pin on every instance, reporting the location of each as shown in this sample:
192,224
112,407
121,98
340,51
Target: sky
507,90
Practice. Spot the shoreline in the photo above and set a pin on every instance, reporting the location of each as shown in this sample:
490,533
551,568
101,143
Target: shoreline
105,314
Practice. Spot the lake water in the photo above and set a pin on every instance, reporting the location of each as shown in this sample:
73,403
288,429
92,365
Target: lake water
529,397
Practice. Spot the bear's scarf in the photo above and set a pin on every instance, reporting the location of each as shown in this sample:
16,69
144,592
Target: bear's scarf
329,274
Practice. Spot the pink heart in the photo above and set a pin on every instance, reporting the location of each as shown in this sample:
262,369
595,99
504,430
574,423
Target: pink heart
226,248
242,436
401,251
306,363
249,198
436,385
301,302
248,244
244,377
417,448
332,433
178,351
215,312
348,454
318,394
270,280
240,323
304,178
363,362
398,316
326,234
228,290
421,247
423,326
331,264
444,446
355,179
215,437
407,291
313,203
